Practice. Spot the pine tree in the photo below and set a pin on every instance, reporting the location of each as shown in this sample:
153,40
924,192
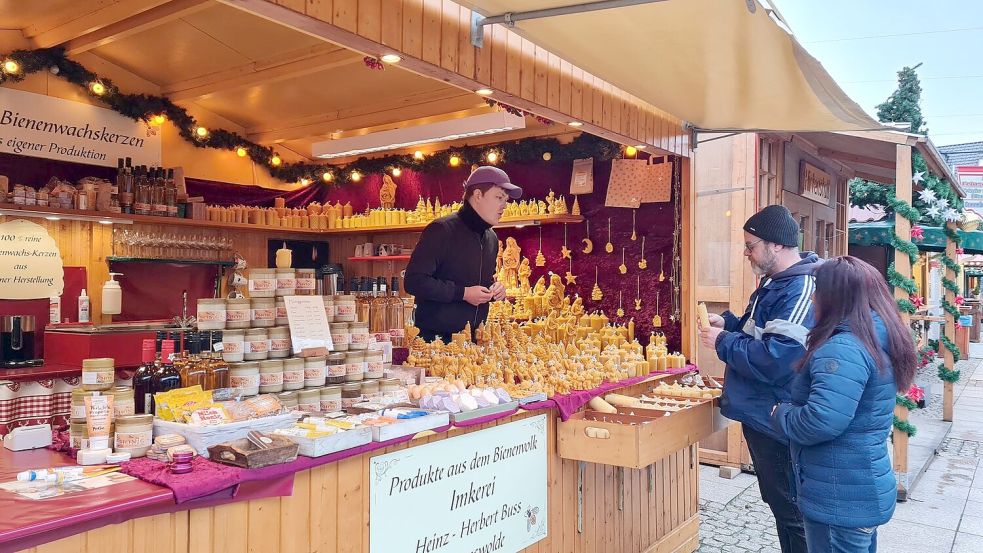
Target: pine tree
904,104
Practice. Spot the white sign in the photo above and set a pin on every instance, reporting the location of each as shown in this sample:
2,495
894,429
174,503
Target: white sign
971,180
308,322
30,262
483,492
43,126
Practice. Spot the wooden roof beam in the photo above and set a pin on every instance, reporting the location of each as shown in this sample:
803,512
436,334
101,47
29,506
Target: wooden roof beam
85,18
857,158
314,60
143,21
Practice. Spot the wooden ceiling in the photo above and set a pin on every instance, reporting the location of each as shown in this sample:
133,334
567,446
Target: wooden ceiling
280,85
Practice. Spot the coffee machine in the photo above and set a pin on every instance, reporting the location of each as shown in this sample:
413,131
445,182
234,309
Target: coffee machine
17,342
331,280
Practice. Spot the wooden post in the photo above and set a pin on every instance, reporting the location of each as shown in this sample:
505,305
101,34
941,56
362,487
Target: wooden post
902,263
950,329
688,262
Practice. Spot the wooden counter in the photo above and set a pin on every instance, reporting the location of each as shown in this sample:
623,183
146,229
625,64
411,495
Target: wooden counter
650,510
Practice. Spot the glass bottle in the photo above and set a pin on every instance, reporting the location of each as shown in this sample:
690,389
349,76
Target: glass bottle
197,365
141,205
378,308
362,301
160,195
218,369
182,360
170,193
126,194
395,316
167,377
142,379
117,186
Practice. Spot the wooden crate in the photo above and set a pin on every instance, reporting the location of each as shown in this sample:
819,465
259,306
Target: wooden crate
638,441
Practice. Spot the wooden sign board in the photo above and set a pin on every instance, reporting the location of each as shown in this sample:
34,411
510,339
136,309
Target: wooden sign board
309,328
814,183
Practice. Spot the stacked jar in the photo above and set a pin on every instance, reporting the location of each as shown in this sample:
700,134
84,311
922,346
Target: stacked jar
329,308
286,282
306,283
337,370
233,345
288,400
263,312
211,314
293,373
271,376
341,337
359,336
256,346
350,394
370,390
330,399
374,365
344,309
98,374
354,366
245,377
238,313
314,372
279,342
123,401
281,312
134,435
262,283
309,400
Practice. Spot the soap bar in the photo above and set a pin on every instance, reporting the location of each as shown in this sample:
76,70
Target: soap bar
93,456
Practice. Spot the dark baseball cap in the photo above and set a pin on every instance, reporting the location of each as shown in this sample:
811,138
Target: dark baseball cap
493,175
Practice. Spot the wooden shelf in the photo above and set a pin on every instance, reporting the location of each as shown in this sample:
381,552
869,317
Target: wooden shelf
123,259
97,216
380,258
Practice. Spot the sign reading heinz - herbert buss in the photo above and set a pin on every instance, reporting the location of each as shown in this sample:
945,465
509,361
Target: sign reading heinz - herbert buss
43,126
483,492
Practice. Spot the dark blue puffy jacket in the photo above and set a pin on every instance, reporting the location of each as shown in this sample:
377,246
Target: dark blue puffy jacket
838,422
763,346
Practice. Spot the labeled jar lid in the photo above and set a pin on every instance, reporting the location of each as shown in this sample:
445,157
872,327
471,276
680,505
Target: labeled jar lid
331,391
134,420
288,399
272,365
310,395
336,358
245,365
118,392
256,333
279,331
354,356
355,388
98,363
293,363
314,361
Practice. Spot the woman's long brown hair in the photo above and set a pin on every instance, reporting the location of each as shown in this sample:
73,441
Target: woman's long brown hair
848,290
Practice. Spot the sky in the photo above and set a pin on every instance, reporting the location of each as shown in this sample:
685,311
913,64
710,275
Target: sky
864,43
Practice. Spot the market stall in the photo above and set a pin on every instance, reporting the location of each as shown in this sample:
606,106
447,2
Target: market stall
591,265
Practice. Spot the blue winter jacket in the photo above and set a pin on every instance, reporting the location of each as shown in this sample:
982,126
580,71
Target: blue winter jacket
838,422
763,346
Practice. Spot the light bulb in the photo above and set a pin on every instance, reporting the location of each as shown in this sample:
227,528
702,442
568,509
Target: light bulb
397,171
492,157
97,88
158,119
241,152
275,160
391,58
455,161
201,132
418,155
305,181
640,147
547,156
631,151
484,91
356,176
11,66
327,176
575,124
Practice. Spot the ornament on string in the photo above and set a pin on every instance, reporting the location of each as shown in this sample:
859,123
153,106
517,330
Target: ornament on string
662,273
934,212
540,258
565,251
657,318
570,277
609,247
373,63
642,263
927,195
942,203
917,300
638,292
596,294
621,309
918,177
917,233
588,243
634,236
623,269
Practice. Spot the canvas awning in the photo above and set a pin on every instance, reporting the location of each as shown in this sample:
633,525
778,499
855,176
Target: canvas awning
718,64
878,233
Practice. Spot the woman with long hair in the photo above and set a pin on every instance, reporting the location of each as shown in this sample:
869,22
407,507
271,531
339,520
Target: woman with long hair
858,356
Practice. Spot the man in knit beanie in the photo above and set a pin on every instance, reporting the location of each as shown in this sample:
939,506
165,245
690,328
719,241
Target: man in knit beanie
761,350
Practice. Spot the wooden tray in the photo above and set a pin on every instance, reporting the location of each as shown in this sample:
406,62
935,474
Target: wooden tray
632,441
242,453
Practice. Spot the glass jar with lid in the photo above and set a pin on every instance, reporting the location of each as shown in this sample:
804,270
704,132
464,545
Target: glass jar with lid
336,368
289,400
262,282
314,372
350,394
211,314
245,377
279,342
309,400
341,337
344,309
329,308
293,373
374,366
359,335
233,345
134,435
370,389
256,345
306,283
238,313
354,366
281,312
286,282
271,376
330,399
263,312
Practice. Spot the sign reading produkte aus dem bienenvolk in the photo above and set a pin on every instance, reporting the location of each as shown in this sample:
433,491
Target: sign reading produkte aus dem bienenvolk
483,492
43,126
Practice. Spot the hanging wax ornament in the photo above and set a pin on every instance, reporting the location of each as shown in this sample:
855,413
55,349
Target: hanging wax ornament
565,251
662,273
596,294
575,210
634,237
621,311
609,247
588,244
657,319
570,277
623,269
642,263
638,292
540,258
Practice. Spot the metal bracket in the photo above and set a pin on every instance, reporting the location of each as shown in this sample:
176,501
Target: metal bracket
477,30
581,467
621,488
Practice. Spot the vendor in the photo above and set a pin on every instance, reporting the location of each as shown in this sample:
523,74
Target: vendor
452,270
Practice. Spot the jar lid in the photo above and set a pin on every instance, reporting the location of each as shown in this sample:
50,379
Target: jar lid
121,391
318,359
328,300
233,332
79,394
262,270
238,301
274,365
356,387
355,355
135,419
391,382
244,365
270,301
285,271
211,301
337,356
98,363
293,362
359,325
373,353
256,332
279,330
331,391
309,393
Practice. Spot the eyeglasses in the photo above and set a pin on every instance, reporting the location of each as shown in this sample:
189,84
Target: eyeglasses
750,246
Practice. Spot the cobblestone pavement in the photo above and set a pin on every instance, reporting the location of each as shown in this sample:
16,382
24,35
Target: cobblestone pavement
743,525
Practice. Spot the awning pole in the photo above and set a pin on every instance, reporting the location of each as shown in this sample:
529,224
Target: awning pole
509,19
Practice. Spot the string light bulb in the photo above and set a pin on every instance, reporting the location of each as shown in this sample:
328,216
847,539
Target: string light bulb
547,156
418,155
484,91
575,124
305,181
241,152
158,119
492,157
275,160
97,88
356,176
327,176
397,171
201,132
631,151
11,67
391,58
455,160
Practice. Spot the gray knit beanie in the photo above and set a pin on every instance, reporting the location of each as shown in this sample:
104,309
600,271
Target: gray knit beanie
774,224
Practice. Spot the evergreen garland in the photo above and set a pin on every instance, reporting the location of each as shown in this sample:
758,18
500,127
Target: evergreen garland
951,346
898,280
905,246
950,308
906,306
950,263
902,208
905,402
950,285
904,426
145,107
948,375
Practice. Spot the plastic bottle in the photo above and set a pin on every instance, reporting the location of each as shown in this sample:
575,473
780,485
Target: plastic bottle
112,296
83,307
54,310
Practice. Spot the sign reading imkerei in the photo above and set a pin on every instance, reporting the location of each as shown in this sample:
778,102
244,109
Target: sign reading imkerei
30,262
814,183
483,492
43,126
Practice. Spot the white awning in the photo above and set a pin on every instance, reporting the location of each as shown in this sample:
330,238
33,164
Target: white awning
714,63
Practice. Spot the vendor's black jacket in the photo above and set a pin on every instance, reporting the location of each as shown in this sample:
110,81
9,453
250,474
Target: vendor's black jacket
454,252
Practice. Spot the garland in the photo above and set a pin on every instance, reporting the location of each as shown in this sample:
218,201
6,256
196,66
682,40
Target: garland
898,280
951,346
902,208
904,426
905,246
950,308
950,285
948,375
905,402
951,264
156,109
